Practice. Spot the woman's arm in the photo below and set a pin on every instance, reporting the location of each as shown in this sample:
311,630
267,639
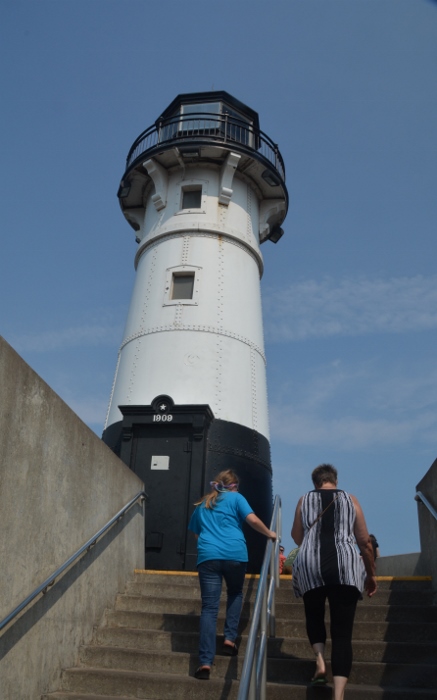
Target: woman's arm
259,526
297,531
365,546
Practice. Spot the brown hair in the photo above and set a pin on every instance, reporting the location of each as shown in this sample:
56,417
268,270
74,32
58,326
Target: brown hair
221,483
325,473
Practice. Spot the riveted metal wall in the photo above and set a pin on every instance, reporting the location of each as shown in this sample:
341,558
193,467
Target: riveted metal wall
216,356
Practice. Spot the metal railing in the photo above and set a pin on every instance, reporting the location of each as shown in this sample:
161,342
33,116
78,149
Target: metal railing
254,672
45,585
204,127
423,499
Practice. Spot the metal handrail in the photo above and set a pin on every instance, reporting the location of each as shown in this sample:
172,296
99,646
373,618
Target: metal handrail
87,546
254,672
208,127
423,499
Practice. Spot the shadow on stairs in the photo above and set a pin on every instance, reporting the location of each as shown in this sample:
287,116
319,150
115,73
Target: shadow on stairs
146,647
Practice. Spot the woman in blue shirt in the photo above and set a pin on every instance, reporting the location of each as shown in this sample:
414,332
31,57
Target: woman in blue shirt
221,554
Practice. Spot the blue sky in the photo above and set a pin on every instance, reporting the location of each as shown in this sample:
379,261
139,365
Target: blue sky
348,89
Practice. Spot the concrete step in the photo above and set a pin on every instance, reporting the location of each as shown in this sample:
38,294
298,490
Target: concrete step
405,583
65,695
189,589
148,684
353,692
214,690
278,647
147,647
383,631
289,611
283,595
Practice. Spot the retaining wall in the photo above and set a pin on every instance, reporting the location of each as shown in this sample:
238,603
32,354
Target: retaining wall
428,524
402,565
59,484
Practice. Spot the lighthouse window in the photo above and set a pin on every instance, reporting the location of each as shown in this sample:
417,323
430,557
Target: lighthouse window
201,107
191,198
238,128
183,285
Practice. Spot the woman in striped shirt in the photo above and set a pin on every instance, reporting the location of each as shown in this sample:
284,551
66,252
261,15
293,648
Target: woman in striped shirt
328,524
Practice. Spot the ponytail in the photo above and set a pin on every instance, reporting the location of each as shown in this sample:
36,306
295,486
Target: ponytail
222,483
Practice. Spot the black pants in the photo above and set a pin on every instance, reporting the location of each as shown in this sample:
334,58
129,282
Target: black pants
342,605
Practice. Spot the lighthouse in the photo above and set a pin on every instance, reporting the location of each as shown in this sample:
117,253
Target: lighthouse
203,188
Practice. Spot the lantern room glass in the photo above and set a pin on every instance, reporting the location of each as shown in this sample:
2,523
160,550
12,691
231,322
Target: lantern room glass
237,128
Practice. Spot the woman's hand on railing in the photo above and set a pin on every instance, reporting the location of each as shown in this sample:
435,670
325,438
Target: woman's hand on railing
259,526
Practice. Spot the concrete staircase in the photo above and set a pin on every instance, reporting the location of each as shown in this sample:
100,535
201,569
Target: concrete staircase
147,647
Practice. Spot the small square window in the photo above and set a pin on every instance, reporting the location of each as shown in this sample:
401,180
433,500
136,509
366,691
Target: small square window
192,198
182,285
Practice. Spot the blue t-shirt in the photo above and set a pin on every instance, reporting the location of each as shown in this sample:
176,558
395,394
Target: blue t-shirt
219,528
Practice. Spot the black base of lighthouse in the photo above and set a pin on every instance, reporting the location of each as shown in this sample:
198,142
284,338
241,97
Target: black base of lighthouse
245,451
176,450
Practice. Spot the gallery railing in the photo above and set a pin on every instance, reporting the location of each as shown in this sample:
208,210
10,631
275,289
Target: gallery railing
204,128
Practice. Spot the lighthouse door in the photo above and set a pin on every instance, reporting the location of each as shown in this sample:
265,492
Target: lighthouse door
161,456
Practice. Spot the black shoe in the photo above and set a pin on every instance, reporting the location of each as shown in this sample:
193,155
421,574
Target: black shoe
202,673
230,649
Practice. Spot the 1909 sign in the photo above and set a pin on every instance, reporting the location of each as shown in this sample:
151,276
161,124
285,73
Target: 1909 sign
162,418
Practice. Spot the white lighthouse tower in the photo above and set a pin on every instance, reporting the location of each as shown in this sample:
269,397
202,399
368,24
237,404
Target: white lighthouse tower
203,188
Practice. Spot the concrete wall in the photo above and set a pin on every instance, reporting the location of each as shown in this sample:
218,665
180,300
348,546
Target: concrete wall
428,524
423,563
59,484
402,565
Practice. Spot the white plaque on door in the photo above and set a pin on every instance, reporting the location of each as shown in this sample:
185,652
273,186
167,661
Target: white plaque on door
160,462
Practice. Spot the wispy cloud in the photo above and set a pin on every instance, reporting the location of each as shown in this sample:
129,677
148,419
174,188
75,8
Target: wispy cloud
350,408
323,308
67,338
348,432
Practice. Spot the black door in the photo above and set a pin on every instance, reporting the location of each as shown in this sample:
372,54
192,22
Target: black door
161,456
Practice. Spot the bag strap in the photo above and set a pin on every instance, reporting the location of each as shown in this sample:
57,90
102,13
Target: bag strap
323,511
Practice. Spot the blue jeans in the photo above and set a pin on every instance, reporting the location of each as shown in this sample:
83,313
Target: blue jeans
211,574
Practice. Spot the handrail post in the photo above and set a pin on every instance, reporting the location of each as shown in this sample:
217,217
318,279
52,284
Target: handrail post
279,532
252,687
274,580
253,680
261,688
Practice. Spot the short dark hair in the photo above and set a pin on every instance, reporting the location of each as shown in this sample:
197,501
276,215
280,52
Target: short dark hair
324,473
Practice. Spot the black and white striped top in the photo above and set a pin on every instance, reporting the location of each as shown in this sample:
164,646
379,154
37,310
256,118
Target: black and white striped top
328,553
